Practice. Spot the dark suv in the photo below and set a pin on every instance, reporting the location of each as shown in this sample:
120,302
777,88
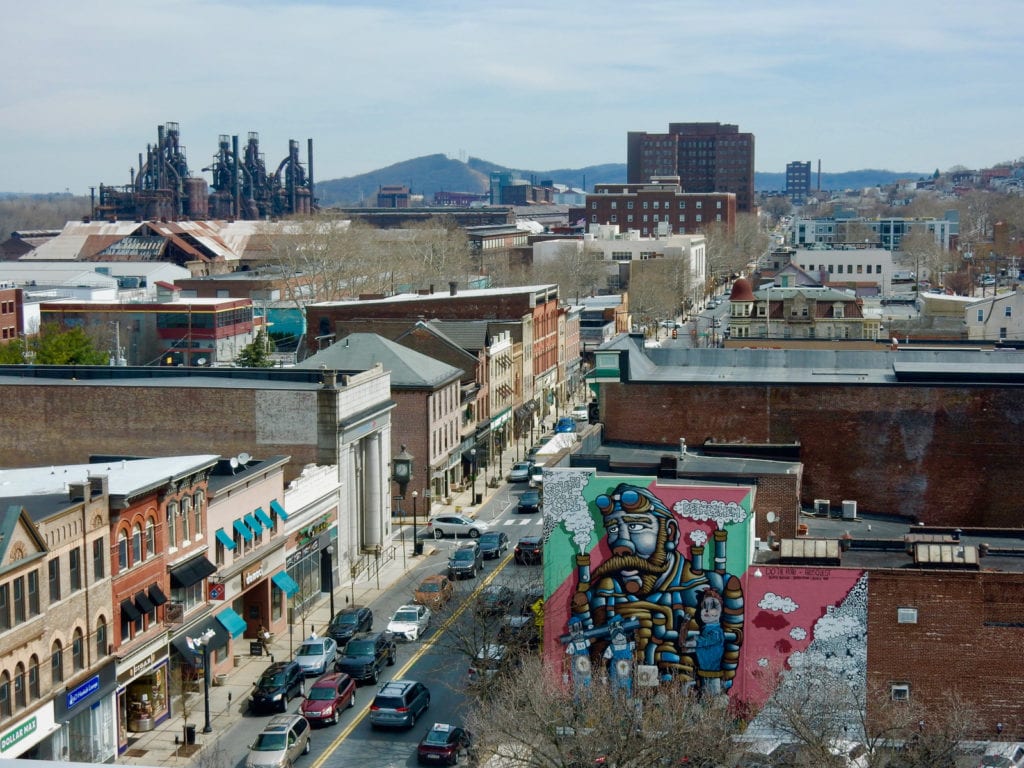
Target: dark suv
348,622
399,703
366,654
279,683
465,560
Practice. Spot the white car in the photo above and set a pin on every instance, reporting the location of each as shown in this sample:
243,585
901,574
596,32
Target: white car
455,525
581,413
1004,755
410,622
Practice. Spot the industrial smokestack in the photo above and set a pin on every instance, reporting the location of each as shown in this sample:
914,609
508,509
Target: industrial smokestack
309,167
236,193
819,174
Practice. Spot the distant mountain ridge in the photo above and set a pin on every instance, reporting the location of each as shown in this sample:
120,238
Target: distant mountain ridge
434,173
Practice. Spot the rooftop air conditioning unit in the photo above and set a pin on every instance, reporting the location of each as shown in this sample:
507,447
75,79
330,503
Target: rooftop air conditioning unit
821,507
849,510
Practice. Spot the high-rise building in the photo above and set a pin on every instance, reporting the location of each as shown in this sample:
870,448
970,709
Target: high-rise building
798,182
708,157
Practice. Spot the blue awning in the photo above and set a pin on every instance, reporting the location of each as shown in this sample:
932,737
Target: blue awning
224,539
244,532
285,583
278,509
232,622
253,523
264,518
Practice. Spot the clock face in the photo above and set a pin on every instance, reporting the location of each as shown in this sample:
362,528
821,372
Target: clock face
401,470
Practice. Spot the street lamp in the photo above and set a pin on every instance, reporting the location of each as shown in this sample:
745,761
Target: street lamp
402,464
417,545
330,575
472,454
204,641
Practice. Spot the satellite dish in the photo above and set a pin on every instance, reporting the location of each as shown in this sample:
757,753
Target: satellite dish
244,458
234,464
201,361
770,517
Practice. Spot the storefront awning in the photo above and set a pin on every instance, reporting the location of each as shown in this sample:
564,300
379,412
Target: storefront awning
232,622
253,523
227,541
285,583
192,572
156,595
244,532
264,518
187,642
278,509
128,609
143,603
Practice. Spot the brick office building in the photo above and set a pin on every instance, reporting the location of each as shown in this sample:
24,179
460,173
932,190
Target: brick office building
707,157
931,435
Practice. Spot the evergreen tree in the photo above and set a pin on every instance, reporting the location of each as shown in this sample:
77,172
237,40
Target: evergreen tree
256,354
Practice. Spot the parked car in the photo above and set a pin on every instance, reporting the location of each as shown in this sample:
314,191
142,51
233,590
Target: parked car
399,703
316,654
529,502
465,560
581,413
519,632
529,550
488,662
495,598
541,442
520,472
434,591
279,683
280,743
565,424
348,622
455,525
537,476
1003,755
366,655
327,697
444,743
493,543
410,622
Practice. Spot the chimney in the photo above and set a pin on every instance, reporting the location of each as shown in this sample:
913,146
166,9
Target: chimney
453,288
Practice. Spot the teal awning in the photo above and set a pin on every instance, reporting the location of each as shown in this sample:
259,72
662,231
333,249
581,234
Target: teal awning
278,509
224,539
232,622
244,532
264,518
253,523
285,583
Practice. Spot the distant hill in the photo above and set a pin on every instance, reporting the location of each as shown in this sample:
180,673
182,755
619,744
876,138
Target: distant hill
433,173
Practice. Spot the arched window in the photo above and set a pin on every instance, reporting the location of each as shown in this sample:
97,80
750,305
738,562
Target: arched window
57,662
150,537
78,651
136,544
122,550
5,694
20,694
101,638
172,525
197,509
186,518
33,678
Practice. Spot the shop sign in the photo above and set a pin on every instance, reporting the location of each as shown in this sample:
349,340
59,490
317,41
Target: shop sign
302,553
216,591
313,530
15,735
252,575
142,666
86,689
174,613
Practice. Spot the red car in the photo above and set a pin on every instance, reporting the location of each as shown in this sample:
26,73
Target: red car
443,744
529,550
328,696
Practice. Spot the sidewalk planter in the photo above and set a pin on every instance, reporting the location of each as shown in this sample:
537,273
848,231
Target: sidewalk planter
220,678
238,659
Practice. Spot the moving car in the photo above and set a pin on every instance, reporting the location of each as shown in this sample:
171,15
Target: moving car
529,502
565,424
328,696
410,622
398,703
465,560
444,743
455,525
434,591
520,472
316,654
281,681
537,476
495,598
366,655
348,622
529,550
280,743
493,543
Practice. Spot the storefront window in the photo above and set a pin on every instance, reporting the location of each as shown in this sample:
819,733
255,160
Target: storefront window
145,701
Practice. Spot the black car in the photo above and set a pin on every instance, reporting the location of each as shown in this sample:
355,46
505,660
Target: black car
495,598
280,682
366,655
465,560
348,622
529,502
492,544
530,550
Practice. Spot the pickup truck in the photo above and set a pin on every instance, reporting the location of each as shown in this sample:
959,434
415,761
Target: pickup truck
366,655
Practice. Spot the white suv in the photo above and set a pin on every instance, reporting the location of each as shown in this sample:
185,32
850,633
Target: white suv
456,525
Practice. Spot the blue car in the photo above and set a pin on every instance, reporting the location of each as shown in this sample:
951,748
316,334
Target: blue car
566,424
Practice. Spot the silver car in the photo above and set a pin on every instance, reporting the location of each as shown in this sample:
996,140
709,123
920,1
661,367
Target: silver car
280,743
455,525
316,655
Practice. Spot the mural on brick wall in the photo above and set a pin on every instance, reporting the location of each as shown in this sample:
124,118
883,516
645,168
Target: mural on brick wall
654,580
634,568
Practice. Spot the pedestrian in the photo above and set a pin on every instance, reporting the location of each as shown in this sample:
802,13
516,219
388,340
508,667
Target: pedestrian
264,638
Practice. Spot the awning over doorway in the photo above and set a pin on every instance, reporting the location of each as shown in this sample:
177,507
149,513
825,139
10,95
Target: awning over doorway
232,622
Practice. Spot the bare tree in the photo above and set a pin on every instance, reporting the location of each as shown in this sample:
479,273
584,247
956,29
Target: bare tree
919,251
730,250
428,253
578,268
659,288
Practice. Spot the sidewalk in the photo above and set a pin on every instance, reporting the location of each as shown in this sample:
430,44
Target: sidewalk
164,744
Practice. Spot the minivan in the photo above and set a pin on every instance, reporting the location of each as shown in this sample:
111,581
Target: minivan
399,703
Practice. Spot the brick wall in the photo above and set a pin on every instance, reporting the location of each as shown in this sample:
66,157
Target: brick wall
943,455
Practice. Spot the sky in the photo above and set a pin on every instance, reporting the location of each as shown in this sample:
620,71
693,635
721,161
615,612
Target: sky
903,85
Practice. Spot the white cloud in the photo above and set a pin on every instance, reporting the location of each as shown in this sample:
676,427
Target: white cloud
773,602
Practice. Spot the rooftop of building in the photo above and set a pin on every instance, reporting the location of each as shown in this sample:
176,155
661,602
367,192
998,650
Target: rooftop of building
463,293
160,376
409,369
